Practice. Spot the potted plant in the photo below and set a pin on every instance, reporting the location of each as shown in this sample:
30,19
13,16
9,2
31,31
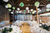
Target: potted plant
6,30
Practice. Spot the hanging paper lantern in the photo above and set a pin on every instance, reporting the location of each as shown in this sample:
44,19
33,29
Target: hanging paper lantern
20,11
24,10
6,6
11,12
47,9
31,9
18,8
33,12
48,6
27,8
9,5
9,9
37,4
5,0
30,12
21,4
13,7
16,11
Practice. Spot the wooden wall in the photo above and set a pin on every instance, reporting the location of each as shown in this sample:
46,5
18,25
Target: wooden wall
4,13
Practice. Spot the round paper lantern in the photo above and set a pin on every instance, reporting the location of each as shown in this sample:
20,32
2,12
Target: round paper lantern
31,9
6,6
27,8
16,11
38,9
9,5
33,12
13,7
47,9
37,4
11,12
24,10
20,11
18,8
48,6
5,0
28,11
21,4
9,9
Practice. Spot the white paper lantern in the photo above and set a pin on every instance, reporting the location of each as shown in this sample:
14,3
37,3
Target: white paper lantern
6,6
11,12
48,6
27,8
18,8
38,9
5,0
17,11
20,11
9,5
28,11
31,9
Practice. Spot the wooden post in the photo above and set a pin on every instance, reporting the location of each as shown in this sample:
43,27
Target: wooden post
37,14
13,16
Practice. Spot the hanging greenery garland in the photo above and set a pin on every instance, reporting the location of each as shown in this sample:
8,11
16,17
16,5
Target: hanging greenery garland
21,4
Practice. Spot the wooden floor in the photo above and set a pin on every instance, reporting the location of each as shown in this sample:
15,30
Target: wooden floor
25,28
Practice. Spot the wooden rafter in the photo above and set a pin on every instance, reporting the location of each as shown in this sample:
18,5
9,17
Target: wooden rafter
16,2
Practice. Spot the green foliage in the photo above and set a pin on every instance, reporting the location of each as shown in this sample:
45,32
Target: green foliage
44,27
10,29
5,30
31,20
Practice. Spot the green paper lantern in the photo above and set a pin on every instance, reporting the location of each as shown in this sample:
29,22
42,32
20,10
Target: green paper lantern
30,12
33,12
16,11
37,4
47,9
13,7
9,5
24,10
9,9
21,4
